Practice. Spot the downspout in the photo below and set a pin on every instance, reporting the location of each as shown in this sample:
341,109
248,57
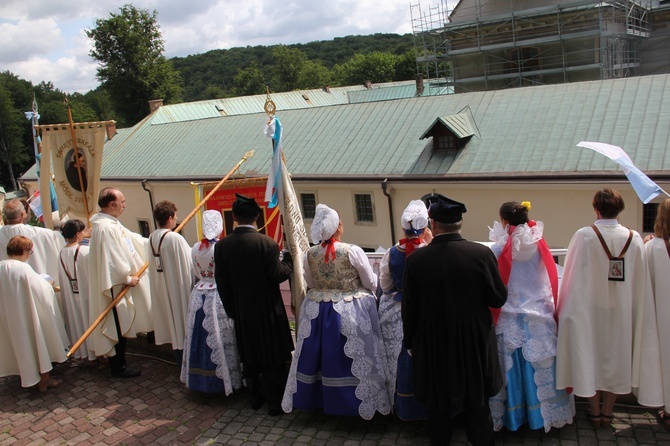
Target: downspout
390,201
151,202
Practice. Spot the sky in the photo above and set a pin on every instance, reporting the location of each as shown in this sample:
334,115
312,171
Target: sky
45,40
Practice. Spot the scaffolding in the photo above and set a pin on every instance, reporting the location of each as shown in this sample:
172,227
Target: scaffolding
494,44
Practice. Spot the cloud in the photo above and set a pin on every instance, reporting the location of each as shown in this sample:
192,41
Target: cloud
45,40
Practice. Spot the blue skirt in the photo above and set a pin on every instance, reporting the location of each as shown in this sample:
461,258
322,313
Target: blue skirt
202,371
405,404
324,378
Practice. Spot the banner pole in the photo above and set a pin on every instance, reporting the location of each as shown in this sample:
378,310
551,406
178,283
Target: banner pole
246,156
76,162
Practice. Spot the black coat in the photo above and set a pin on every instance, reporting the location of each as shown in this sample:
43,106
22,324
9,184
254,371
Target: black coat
248,273
448,287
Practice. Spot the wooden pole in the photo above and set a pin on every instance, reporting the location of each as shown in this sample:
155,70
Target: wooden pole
246,156
76,163
125,289
104,314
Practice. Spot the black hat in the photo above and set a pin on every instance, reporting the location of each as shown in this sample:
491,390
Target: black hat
443,209
245,207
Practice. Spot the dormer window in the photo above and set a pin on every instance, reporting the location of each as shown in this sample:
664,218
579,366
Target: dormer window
451,133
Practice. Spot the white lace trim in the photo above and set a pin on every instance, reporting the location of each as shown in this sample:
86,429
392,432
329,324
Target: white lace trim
554,412
359,324
523,236
390,322
220,338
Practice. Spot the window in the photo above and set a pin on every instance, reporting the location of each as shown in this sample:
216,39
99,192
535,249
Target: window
145,231
365,210
308,205
649,216
447,141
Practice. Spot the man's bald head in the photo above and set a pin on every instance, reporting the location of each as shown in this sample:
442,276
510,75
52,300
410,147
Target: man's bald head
14,211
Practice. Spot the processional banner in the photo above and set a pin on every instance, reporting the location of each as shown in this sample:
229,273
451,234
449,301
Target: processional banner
76,167
269,220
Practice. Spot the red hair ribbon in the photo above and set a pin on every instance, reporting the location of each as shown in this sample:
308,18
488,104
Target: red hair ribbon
410,244
204,243
505,266
330,249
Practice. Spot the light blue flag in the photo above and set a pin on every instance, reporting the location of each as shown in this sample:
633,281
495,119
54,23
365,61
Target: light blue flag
274,187
644,187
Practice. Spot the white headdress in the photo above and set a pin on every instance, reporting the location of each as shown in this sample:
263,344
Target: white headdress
415,215
212,224
325,223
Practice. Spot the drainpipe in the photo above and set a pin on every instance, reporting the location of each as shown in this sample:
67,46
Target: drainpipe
390,201
151,202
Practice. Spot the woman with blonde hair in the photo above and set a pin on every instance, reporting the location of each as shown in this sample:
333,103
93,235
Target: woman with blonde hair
526,327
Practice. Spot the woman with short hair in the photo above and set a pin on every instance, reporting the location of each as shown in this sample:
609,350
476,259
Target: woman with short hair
31,326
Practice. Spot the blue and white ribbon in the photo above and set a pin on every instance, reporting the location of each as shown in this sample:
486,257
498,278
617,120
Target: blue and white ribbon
273,130
644,187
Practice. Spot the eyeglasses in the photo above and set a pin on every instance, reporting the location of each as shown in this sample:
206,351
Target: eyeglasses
29,250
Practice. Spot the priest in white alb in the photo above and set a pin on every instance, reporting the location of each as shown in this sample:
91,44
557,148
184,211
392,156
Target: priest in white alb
171,275
116,255
46,243
32,332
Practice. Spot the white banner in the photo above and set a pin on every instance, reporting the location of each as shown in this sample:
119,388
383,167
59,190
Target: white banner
77,178
296,239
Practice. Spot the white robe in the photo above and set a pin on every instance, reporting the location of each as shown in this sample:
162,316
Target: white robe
658,262
607,335
32,333
115,254
46,247
76,305
170,289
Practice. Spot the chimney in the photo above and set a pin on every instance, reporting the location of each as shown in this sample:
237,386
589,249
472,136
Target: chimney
419,84
155,105
110,127
326,88
367,84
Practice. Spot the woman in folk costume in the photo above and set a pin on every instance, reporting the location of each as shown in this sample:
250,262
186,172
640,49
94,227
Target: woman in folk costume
607,334
338,364
32,333
211,363
526,327
657,250
73,277
414,221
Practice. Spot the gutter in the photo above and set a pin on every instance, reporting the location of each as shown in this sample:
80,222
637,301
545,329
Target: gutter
390,203
151,202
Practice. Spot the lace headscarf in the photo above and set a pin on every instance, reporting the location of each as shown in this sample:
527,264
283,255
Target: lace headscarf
212,226
414,220
324,226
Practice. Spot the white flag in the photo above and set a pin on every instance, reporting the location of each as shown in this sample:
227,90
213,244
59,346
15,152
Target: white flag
645,188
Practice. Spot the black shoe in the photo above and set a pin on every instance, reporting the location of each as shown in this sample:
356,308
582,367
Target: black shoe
275,410
126,373
257,402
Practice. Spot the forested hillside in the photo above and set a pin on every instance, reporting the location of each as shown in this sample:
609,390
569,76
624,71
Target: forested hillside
246,70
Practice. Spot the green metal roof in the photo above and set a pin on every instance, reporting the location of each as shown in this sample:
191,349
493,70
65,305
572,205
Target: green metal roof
522,131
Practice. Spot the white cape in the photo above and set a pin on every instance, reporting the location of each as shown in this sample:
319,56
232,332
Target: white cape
32,333
170,289
607,334
116,253
46,247
75,306
658,262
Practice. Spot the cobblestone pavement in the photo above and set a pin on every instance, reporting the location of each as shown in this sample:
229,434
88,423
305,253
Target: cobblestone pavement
156,408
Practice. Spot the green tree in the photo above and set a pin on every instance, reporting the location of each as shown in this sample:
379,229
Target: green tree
314,75
376,67
129,47
288,66
250,80
14,155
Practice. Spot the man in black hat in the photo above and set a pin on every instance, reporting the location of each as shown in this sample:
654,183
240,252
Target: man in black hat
448,288
248,273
